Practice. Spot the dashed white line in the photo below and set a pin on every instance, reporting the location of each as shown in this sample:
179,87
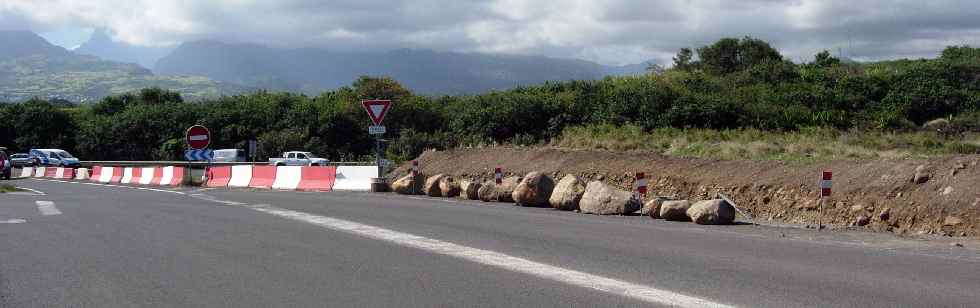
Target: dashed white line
491,258
12,221
110,185
35,191
47,208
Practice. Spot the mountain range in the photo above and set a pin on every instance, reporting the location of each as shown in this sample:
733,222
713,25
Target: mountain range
32,67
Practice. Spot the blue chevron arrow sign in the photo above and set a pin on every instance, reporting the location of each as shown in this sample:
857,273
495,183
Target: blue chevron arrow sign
199,155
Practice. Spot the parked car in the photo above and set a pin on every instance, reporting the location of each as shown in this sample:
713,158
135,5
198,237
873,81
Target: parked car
4,164
296,158
229,155
53,158
20,160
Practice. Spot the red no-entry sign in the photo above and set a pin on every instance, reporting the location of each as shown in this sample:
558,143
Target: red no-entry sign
198,137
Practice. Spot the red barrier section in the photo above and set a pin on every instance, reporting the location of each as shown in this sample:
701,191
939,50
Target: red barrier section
51,172
219,176
263,176
178,176
96,173
137,174
317,178
117,173
68,174
157,176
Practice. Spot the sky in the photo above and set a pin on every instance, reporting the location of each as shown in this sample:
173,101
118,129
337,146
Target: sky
611,32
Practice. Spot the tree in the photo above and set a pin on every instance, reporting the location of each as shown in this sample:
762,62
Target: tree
730,55
824,59
380,88
683,59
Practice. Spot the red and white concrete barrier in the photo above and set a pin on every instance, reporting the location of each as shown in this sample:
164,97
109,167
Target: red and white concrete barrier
262,177
319,178
240,176
27,172
218,176
287,177
127,176
146,176
39,172
82,174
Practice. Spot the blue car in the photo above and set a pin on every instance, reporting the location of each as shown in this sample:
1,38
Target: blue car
53,158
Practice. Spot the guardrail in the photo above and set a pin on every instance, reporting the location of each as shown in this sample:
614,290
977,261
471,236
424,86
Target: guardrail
91,163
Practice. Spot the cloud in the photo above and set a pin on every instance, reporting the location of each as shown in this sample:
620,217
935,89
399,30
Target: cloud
611,31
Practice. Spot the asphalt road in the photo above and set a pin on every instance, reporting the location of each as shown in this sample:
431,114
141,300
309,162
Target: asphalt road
103,246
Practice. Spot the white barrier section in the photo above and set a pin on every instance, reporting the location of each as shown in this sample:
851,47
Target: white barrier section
59,173
288,177
240,176
127,176
106,174
39,172
146,176
168,176
81,174
355,177
27,172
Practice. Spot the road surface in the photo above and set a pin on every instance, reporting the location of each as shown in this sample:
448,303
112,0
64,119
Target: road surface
82,245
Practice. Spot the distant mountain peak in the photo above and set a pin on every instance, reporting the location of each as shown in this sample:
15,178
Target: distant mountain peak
16,44
101,45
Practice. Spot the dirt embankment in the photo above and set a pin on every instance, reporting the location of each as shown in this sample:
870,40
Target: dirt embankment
882,193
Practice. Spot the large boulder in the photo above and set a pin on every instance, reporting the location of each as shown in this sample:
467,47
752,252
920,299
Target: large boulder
448,187
712,212
534,190
487,192
603,199
470,189
431,187
506,189
567,193
652,207
406,185
675,210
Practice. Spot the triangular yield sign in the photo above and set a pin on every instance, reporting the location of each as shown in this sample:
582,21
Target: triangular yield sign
377,109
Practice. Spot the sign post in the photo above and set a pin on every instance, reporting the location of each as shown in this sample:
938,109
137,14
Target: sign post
198,139
826,183
377,109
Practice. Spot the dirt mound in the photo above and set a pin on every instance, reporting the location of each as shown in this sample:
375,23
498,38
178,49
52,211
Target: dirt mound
947,203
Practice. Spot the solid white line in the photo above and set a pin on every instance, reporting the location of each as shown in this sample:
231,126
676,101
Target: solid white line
47,208
507,262
32,190
110,185
12,221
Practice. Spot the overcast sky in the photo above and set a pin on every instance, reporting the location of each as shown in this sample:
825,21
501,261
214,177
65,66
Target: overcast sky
606,31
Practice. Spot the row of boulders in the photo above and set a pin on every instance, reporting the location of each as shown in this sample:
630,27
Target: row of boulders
569,194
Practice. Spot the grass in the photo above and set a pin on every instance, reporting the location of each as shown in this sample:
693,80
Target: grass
811,144
5,188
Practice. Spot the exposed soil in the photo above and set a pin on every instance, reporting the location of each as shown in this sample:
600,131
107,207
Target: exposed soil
947,204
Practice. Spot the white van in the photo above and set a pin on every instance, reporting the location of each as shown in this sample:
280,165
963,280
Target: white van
229,155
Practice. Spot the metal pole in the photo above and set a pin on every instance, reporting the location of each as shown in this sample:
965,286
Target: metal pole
377,151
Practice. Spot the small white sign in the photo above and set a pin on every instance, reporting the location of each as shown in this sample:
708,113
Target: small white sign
376,129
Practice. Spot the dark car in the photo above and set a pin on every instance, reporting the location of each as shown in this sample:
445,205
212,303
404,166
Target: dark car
4,164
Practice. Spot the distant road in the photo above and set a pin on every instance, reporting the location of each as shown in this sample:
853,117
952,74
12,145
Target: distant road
97,246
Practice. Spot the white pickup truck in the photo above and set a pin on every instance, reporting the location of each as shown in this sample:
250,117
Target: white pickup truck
296,158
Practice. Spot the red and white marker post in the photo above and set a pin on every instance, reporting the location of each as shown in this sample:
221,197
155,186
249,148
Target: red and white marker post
826,184
641,185
498,176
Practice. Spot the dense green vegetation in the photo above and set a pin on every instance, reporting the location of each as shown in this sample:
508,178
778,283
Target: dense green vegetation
736,86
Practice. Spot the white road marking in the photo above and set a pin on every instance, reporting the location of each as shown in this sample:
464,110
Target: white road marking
12,221
47,208
110,185
486,257
38,192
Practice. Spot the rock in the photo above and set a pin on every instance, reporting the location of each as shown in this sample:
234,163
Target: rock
952,221
862,221
947,190
920,176
487,192
534,190
675,210
567,193
603,199
506,188
956,244
406,185
712,212
470,189
939,125
652,207
857,208
448,187
431,187
885,214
